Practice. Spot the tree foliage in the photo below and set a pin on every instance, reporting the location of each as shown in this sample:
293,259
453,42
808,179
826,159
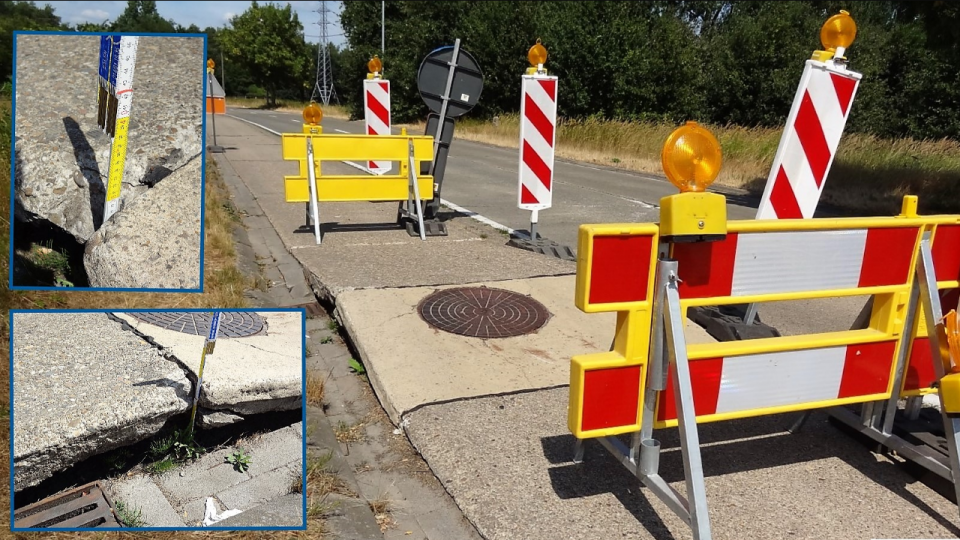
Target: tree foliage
21,16
268,41
712,61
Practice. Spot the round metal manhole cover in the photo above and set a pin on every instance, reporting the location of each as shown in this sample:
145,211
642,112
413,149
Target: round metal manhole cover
483,312
233,324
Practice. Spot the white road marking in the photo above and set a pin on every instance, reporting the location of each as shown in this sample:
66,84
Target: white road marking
341,131
277,133
294,120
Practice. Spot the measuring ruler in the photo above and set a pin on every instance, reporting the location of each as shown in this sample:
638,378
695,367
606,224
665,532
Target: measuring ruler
208,346
118,57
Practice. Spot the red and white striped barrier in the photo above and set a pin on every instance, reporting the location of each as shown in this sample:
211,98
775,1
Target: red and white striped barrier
760,264
744,383
538,122
764,263
376,107
809,141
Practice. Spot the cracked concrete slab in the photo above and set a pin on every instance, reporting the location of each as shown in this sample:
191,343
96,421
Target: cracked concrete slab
410,363
245,375
83,385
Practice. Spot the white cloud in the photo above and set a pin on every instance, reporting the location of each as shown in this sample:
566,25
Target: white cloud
228,15
95,14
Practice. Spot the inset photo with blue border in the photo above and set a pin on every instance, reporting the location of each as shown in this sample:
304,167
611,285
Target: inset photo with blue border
108,161
158,419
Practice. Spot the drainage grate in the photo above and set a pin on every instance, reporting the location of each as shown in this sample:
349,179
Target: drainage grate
84,507
483,312
233,324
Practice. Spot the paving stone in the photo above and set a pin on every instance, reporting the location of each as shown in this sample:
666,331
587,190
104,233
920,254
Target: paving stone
209,475
140,493
261,488
350,519
286,511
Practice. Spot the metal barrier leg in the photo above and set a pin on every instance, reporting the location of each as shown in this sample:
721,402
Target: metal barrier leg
890,411
578,451
314,202
798,424
931,311
416,192
686,417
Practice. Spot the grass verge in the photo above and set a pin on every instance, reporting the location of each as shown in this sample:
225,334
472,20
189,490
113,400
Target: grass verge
869,175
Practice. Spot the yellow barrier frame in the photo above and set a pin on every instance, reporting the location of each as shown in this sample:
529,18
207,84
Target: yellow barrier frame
409,150
894,317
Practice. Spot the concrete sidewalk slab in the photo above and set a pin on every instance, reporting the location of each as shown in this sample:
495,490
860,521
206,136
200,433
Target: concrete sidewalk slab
410,363
83,385
245,375
507,461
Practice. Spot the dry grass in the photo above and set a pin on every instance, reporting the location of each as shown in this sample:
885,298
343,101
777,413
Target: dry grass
315,384
223,286
869,175
332,111
382,508
348,433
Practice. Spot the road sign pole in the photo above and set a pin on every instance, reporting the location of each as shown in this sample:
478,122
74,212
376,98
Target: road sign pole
216,149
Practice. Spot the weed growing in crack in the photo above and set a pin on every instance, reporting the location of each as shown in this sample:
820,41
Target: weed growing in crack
332,325
171,450
128,515
239,459
315,387
326,339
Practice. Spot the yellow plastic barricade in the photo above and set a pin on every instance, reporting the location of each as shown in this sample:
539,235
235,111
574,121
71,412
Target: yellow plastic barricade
311,186
651,274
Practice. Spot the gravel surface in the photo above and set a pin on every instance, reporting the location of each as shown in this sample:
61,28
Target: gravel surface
507,461
81,386
62,156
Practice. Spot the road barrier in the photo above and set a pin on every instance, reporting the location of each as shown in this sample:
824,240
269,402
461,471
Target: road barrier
376,109
311,187
651,274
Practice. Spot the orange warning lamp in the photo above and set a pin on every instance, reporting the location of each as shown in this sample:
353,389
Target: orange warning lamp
312,115
374,66
836,35
210,64
691,159
537,56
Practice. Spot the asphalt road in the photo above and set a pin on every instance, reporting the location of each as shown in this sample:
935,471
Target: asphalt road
483,179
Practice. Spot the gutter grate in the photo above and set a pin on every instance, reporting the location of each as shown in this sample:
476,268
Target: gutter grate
84,507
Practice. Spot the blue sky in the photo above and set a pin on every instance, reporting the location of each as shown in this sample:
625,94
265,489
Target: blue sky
202,14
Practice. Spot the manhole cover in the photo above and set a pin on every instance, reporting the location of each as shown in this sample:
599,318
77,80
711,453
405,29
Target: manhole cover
233,324
483,312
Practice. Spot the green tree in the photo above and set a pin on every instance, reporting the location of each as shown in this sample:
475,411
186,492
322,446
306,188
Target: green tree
268,41
22,16
142,16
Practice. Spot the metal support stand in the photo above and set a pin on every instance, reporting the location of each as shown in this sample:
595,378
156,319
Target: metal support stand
533,224
314,203
432,207
414,208
869,422
213,118
668,350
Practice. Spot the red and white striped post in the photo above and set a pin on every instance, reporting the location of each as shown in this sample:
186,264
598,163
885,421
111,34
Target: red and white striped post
538,123
813,130
376,108
814,127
